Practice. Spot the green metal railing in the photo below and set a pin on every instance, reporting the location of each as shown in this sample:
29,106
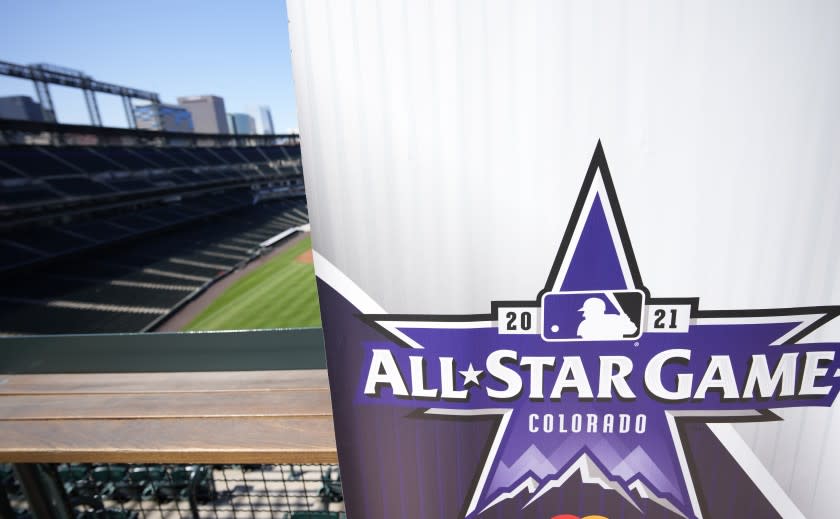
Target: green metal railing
249,350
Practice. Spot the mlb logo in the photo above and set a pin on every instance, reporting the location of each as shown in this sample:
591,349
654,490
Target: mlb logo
603,315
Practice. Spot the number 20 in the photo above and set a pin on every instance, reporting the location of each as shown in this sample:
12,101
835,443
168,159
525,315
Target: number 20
524,320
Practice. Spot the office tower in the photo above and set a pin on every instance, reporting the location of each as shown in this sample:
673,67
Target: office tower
241,124
265,123
162,117
208,113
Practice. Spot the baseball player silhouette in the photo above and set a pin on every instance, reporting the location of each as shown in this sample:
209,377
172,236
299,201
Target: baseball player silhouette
597,324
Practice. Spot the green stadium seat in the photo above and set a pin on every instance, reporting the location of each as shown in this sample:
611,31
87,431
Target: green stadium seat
147,474
86,507
149,492
72,472
331,490
205,491
109,473
165,493
125,491
181,475
107,514
176,485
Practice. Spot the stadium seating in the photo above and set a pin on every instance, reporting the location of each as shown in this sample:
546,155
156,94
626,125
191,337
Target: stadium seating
8,173
16,255
177,491
79,186
111,238
128,158
34,162
253,155
281,152
99,231
38,175
27,194
85,159
127,286
173,158
90,488
27,245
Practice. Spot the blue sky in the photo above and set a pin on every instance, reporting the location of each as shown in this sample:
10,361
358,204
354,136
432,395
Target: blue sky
237,50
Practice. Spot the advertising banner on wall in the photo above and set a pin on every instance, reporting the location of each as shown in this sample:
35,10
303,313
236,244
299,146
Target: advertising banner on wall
577,260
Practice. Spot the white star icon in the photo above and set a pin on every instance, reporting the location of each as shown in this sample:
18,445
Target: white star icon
471,375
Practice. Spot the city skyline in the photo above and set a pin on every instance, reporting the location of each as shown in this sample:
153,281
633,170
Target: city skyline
185,58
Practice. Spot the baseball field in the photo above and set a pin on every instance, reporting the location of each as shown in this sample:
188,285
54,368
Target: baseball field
280,293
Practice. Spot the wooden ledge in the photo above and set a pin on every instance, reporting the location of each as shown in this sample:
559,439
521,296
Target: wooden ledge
207,417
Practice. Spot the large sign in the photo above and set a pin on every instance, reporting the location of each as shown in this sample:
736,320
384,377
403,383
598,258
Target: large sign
515,331
591,378
590,382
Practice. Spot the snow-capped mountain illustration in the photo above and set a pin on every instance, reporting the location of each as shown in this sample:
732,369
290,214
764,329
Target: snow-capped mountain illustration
639,462
531,461
644,492
529,484
533,475
590,473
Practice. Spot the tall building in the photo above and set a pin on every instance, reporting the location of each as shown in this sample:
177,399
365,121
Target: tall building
21,107
161,117
242,124
266,125
208,113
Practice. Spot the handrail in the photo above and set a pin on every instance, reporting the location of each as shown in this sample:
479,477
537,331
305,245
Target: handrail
197,398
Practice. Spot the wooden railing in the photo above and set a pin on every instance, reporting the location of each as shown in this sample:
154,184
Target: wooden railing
210,398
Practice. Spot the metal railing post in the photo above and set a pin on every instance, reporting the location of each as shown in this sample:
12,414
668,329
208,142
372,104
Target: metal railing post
43,491
6,509
200,474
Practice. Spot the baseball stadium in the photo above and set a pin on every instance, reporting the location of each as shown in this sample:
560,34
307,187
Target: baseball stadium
575,260
115,233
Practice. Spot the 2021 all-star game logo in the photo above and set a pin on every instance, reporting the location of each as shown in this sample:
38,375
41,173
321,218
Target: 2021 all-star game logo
590,377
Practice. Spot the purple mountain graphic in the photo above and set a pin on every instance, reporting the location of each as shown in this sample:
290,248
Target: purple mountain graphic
638,462
531,461
609,453
533,490
575,496
533,475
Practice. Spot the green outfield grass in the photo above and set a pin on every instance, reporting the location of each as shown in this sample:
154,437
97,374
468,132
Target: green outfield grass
279,294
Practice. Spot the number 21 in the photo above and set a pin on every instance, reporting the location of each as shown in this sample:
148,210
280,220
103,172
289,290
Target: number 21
660,317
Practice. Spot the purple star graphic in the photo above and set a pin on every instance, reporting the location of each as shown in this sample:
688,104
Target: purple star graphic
607,411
